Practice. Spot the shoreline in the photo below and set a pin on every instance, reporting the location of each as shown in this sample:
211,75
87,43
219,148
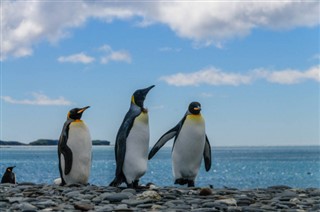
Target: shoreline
47,197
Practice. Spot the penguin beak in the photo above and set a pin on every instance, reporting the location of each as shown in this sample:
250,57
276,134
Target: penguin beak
146,90
83,109
9,169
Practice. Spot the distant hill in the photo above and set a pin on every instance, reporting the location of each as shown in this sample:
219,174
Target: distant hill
48,142
11,143
100,142
41,142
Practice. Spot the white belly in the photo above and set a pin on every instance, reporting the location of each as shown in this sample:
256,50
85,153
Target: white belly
136,157
188,149
80,143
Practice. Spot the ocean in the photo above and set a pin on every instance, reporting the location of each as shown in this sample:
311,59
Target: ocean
236,167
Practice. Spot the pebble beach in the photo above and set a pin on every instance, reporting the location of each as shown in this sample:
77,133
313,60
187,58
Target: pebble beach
45,197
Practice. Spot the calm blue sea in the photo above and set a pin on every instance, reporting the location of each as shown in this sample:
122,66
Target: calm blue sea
240,167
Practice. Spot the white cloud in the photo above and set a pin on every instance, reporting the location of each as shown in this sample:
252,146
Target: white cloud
206,22
38,99
51,21
290,76
215,22
169,49
210,76
109,55
206,95
76,58
213,76
157,107
117,56
316,57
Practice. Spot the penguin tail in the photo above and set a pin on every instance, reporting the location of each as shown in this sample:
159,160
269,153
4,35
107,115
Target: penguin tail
57,181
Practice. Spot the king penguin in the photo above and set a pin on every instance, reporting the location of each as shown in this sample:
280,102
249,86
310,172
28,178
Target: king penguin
74,149
132,142
191,144
9,176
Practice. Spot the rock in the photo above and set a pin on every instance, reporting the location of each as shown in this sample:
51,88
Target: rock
83,207
134,202
183,207
315,193
234,209
279,187
149,194
26,183
254,209
117,197
27,207
156,207
149,205
129,190
243,201
96,200
104,208
205,210
209,204
229,201
14,199
121,207
3,204
72,194
177,202
47,203
168,196
205,192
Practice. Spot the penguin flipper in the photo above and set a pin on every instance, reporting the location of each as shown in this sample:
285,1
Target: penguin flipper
163,140
207,154
67,153
65,150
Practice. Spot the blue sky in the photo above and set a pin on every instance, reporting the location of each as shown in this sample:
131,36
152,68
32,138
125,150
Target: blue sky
254,67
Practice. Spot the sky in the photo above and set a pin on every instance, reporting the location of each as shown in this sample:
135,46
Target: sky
253,66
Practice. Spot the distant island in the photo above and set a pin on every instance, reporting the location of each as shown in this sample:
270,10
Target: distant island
47,142
11,143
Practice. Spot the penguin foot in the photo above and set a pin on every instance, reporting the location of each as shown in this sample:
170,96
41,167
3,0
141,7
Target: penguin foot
181,181
58,181
134,184
116,182
190,183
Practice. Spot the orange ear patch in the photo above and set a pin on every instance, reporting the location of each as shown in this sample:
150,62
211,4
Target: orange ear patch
132,100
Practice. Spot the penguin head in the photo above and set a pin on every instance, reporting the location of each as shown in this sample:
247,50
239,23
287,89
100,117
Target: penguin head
76,113
9,169
194,108
139,96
